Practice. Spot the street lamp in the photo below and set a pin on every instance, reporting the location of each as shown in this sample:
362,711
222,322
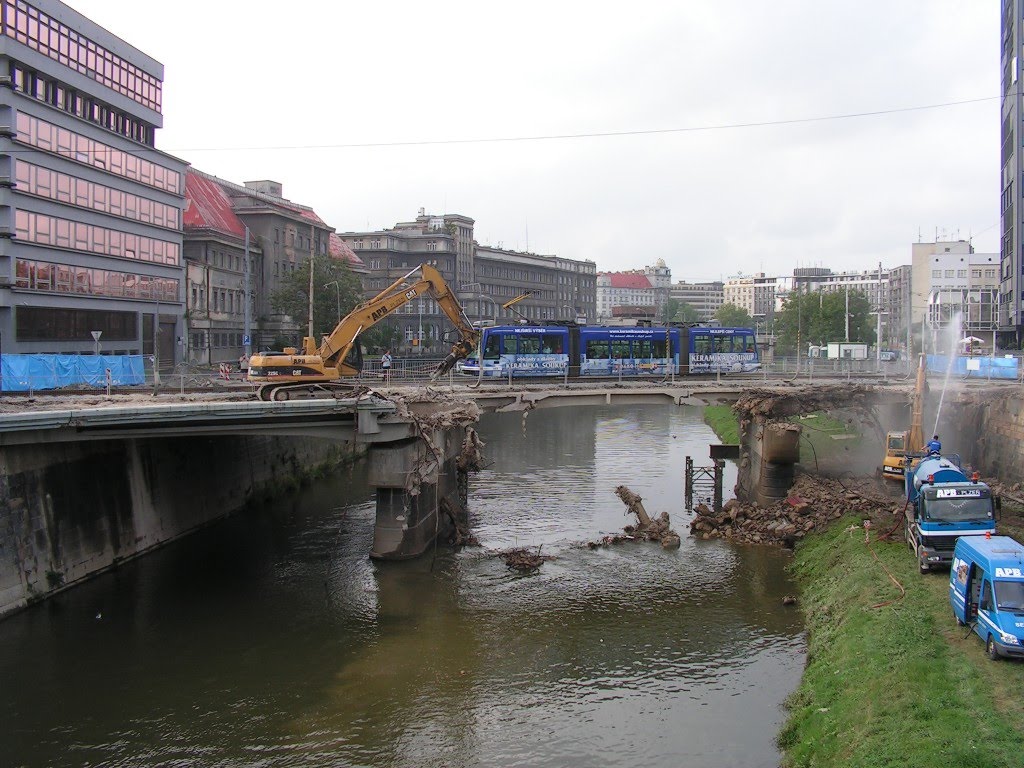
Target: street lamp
337,291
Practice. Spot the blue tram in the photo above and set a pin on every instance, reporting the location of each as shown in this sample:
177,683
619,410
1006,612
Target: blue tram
581,351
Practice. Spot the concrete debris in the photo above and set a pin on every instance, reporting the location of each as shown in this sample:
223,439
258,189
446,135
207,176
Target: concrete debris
647,529
775,405
814,501
524,560
471,458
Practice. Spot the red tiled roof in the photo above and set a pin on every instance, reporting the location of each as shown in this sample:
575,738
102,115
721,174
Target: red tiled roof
208,207
342,252
627,280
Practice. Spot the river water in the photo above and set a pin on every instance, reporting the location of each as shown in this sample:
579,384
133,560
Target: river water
271,639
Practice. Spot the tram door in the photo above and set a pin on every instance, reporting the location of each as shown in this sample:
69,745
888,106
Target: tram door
574,351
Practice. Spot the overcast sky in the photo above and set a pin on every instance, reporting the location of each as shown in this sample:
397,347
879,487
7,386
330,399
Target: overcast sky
275,90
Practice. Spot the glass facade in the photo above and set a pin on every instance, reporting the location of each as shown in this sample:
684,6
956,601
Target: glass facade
69,278
60,141
53,185
50,324
33,28
62,233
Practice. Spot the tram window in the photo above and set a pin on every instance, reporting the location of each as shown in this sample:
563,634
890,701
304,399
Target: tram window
529,345
597,350
642,349
701,345
551,344
509,343
721,344
748,343
493,349
658,348
620,350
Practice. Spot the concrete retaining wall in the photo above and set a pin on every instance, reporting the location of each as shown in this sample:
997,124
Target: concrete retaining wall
989,436
72,510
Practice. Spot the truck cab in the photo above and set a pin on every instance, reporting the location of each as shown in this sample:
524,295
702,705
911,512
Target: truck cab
986,591
943,505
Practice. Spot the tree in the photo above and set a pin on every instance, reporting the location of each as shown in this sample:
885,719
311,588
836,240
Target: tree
330,304
669,310
819,318
687,313
731,316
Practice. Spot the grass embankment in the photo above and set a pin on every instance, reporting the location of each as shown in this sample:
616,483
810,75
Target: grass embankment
897,685
722,419
826,436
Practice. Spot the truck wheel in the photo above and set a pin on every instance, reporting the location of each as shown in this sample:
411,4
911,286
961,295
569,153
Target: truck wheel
990,648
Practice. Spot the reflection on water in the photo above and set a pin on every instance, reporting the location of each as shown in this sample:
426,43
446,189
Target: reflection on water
271,639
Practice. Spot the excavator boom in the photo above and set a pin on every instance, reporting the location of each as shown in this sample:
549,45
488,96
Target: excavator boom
325,365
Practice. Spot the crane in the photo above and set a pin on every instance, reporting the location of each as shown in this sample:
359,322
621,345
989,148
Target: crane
314,370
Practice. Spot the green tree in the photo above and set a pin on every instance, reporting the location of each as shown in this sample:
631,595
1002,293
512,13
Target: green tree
731,316
687,313
669,310
819,318
330,303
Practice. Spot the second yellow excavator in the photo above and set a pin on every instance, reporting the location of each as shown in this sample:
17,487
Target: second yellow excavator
320,371
899,444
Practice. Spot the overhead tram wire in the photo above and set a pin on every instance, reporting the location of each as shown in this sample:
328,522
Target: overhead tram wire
565,136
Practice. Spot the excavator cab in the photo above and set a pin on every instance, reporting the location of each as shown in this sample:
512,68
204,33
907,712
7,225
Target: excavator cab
895,451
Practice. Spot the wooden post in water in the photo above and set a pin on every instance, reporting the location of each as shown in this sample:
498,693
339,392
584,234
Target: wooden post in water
689,483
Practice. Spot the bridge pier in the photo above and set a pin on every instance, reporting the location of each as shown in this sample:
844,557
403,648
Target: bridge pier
768,453
419,498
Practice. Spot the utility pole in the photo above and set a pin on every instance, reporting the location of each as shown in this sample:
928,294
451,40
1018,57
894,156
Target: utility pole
878,324
310,334
847,314
247,328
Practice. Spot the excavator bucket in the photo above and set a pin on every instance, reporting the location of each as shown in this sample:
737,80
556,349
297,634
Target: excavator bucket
459,351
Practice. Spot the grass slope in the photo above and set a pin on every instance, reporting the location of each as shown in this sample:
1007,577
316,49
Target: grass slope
896,685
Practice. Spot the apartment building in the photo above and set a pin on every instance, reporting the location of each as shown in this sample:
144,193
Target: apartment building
242,240
754,293
90,210
484,278
1010,312
705,298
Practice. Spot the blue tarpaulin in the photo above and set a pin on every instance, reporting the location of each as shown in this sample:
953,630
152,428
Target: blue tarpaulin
978,368
21,373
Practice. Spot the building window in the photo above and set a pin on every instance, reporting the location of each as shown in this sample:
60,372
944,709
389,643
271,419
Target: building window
60,141
65,278
62,233
56,41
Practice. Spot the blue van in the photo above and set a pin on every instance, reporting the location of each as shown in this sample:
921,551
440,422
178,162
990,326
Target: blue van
986,591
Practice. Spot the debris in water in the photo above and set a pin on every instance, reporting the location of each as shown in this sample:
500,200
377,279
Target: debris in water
524,560
646,529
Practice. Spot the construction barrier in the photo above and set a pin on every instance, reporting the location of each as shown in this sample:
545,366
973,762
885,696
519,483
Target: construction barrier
23,373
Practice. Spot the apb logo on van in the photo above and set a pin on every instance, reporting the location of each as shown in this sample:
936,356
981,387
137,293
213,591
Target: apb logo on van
1009,573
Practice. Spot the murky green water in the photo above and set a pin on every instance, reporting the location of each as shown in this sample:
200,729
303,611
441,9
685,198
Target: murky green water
271,639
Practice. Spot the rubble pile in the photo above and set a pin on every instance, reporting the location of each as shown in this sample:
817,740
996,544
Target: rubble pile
813,502
646,529
524,560
774,405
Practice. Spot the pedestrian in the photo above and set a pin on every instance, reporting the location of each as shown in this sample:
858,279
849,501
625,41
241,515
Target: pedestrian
243,363
385,365
933,446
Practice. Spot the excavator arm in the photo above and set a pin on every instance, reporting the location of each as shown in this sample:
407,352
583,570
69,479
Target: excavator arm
339,343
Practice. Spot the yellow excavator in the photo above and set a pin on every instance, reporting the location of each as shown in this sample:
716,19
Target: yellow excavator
899,444
320,371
